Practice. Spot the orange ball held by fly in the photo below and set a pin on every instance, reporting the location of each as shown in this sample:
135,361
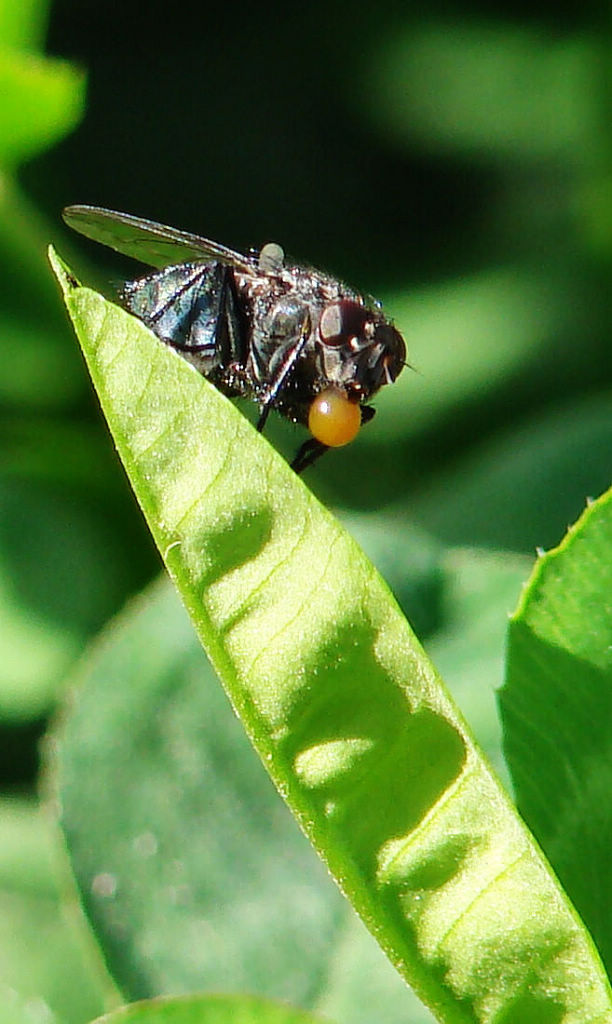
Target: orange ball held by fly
333,419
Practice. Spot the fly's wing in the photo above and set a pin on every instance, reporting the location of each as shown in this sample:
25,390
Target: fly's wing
193,307
153,244
181,304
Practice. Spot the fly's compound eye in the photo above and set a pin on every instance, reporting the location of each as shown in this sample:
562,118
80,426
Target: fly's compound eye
333,419
341,321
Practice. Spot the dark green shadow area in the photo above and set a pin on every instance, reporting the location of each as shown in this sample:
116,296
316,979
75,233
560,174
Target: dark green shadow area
237,540
391,768
532,1009
162,795
53,542
563,774
441,865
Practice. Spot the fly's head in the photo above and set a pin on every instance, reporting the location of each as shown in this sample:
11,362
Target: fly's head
359,351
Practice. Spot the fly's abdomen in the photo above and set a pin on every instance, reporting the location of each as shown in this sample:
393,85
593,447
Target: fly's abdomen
184,306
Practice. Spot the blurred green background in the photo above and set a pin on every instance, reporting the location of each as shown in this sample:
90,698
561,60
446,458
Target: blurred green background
456,163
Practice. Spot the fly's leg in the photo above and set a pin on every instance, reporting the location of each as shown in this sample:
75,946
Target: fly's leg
230,331
312,450
293,348
263,416
308,453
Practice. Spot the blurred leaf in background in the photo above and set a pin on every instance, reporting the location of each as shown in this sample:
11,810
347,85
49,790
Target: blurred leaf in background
493,91
42,951
58,512
555,705
62,572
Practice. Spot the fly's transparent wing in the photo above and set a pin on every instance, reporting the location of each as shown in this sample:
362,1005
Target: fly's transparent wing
150,243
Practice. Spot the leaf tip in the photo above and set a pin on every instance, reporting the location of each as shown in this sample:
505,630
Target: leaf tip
63,273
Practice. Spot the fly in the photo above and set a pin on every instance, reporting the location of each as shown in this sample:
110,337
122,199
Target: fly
288,337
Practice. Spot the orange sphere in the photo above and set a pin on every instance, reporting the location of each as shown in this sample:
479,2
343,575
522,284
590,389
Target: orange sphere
333,419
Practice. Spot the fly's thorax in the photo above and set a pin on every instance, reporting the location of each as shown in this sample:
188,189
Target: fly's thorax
284,308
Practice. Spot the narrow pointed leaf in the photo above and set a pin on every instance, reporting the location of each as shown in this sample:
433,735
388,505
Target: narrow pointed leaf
349,716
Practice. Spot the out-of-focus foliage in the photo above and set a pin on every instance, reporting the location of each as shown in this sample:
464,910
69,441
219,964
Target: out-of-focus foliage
40,101
61,571
61,502
216,1009
42,943
556,706
459,168
505,91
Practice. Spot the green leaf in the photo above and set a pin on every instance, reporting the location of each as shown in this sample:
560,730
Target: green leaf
149,708
497,92
195,875
556,707
23,25
337,696
41,950
521,489
199,1009
54,540
450,328
41,100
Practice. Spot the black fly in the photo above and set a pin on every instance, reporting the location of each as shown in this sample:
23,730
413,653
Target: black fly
290,338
